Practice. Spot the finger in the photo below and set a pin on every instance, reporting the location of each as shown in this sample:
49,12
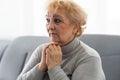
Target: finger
47,58
51,48
54,43
47,51
54,47
45,47
58,48
48,45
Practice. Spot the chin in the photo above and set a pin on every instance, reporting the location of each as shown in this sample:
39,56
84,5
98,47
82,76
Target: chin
54,40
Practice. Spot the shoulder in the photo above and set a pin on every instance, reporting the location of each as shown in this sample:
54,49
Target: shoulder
87,55
89,50
88,64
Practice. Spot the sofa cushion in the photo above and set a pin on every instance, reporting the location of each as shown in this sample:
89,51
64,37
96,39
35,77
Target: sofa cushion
16,54
3,45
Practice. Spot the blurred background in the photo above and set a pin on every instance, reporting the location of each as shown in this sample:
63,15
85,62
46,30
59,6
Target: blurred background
27,17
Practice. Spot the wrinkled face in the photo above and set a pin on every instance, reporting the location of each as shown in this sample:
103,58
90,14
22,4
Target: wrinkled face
59,28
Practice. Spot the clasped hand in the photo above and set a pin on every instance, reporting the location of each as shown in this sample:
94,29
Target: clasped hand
51,57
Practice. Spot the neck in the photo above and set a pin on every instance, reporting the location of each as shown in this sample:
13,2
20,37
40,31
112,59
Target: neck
64,43
71,46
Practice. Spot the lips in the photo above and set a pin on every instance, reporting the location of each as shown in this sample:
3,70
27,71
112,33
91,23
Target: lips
52,34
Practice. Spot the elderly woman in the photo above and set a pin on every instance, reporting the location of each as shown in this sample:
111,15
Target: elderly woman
65,57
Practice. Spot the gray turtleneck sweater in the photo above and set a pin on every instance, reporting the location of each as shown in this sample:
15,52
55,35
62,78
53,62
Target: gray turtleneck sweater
79,62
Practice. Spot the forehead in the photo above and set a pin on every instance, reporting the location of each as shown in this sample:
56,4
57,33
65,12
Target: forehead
57,13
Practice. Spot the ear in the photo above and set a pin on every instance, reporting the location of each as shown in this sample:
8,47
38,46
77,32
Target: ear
75,28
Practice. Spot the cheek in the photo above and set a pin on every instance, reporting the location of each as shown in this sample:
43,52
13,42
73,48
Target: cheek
64,30
61,30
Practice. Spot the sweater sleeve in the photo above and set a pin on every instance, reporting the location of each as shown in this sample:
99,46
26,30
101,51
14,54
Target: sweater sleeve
57,73
89,69
31,71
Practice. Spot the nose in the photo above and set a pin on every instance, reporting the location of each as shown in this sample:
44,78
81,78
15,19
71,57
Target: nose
51,26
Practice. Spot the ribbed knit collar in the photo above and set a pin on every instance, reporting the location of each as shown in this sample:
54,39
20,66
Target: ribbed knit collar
71,46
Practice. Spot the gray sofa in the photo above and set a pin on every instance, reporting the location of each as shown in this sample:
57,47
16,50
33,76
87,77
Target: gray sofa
15,53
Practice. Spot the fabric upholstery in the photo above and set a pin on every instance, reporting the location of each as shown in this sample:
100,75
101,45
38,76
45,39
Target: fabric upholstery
16,55
3,46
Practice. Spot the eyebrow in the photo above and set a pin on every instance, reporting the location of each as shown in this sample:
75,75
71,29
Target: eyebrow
55,15
58,16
